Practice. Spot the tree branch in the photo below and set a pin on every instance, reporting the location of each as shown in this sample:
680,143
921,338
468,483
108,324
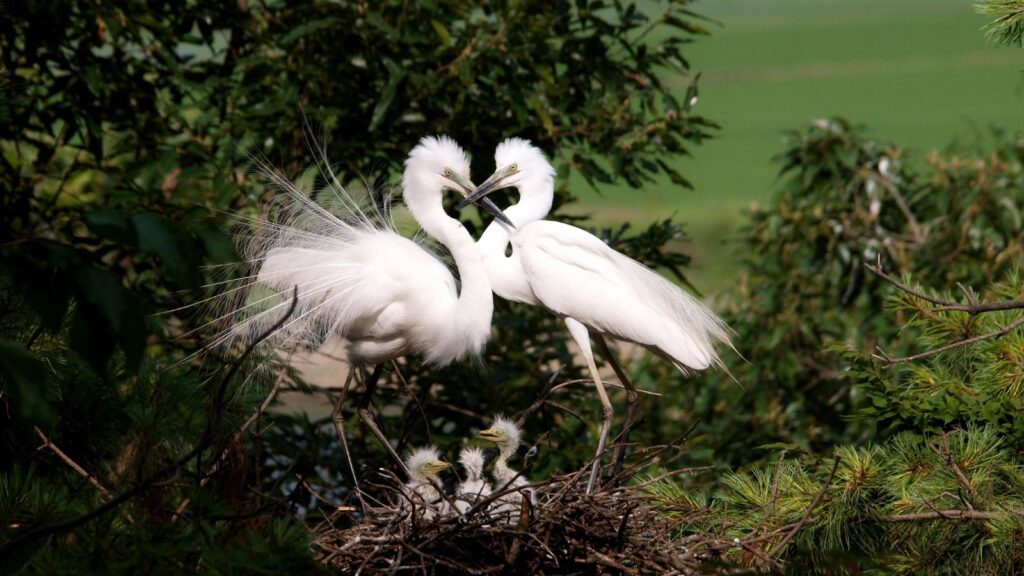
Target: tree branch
958,344
47,443
814,504
972,308
948,515
945,305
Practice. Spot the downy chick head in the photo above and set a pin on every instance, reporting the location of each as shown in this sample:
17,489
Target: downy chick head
504,434
472,460
425,464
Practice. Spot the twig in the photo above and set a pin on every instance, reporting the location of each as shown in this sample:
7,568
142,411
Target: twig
47,443
973,308
948,515
660,477
947,455
814,504
770,509
321,499
409,390
266,403
959,343
224,453
901,203
545,393
338,418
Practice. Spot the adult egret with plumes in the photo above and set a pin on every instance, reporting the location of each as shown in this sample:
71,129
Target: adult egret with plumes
354,276
594,288
425,466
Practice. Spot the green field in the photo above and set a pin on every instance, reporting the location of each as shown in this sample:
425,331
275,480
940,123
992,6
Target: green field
917,72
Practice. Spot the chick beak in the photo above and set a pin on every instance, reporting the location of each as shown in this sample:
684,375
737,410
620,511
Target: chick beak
491,435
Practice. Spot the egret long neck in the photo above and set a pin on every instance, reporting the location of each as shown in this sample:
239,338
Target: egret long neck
501,470
475,303
506,275
534,203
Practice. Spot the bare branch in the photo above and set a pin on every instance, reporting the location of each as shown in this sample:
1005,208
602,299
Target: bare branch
919,235
47,443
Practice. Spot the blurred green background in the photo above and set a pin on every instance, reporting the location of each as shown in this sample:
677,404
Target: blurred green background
920,72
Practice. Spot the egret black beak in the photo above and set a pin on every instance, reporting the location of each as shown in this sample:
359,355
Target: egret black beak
467,189
491,207
492,184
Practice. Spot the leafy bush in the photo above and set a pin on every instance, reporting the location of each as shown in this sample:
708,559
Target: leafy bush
807,297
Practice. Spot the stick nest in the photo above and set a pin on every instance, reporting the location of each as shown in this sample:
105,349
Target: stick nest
613,530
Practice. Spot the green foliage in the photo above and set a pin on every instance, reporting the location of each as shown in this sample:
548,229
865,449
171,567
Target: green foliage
929,466
935,504
1008,27
806,299
970,386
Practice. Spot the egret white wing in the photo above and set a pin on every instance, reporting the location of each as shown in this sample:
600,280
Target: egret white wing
348,270
575,274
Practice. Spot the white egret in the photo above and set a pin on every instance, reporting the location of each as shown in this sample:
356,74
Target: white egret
356,277
425,466
473,487
594,288
507,437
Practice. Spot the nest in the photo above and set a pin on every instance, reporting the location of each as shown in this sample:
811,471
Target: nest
612,530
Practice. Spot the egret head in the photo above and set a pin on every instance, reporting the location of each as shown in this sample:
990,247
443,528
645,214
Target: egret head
472,460
504,433
437,164
425,464
521,165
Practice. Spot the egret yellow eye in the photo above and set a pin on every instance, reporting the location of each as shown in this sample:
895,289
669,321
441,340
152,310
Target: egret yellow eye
448,172
513,167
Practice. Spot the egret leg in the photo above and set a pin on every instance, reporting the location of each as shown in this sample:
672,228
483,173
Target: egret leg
367,417
632,398
338,416
581,335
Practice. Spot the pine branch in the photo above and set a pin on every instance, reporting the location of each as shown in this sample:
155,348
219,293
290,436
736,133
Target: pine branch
947,456
1008,28
948,515
972,308
814,504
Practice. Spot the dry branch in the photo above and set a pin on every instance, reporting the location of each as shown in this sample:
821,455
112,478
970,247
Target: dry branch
47,443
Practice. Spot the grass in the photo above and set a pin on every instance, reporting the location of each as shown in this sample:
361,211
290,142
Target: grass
917,72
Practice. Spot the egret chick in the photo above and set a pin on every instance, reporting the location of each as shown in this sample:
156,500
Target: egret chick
507,437
425,466
474,486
